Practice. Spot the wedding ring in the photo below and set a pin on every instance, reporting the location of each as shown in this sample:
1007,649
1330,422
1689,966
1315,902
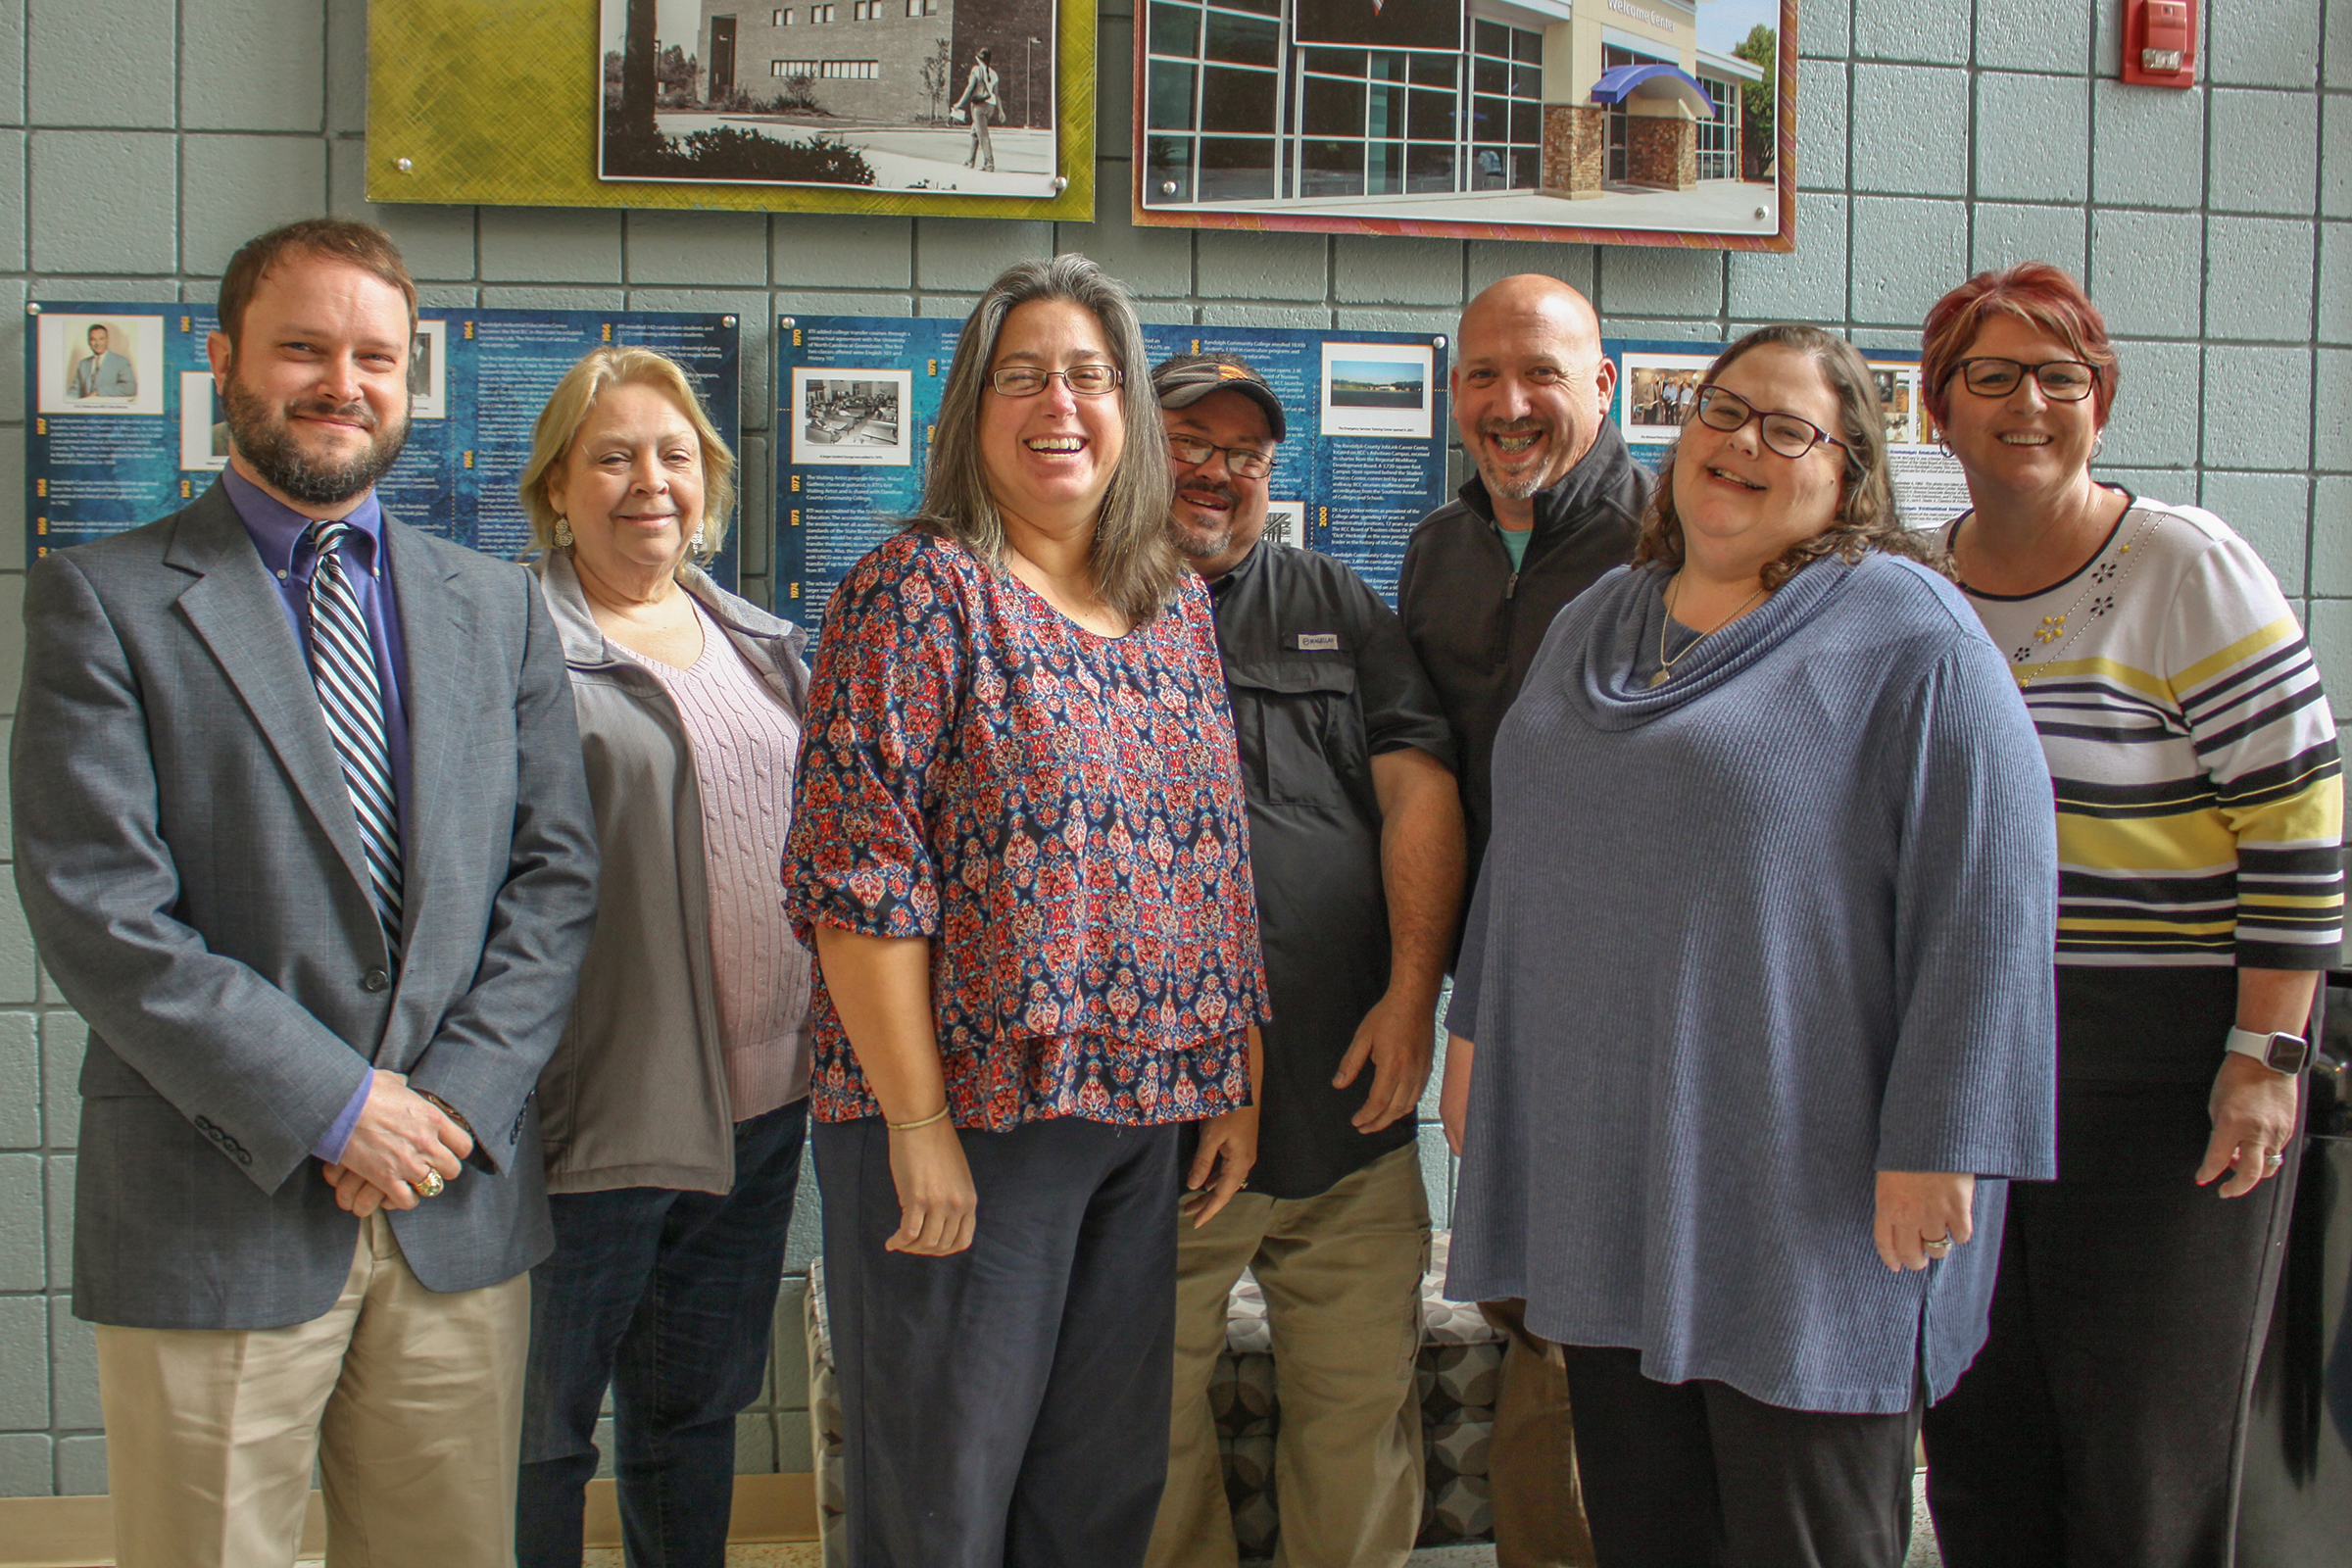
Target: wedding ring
1944,1246
2273,1159
430,1187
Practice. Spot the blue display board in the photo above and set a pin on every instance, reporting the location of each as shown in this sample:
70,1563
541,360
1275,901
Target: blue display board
857,397
114,445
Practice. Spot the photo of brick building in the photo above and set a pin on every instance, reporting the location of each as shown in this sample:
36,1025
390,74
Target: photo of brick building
1488,111
877,93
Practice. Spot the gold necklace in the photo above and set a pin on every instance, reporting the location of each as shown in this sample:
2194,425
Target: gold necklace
2055,628
1666,665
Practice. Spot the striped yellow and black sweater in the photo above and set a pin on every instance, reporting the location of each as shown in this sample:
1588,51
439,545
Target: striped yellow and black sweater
2200,801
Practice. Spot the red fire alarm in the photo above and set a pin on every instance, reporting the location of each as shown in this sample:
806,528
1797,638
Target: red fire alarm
2160,42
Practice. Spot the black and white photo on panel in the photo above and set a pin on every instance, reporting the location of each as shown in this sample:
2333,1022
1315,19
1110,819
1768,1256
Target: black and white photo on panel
852,416
948,96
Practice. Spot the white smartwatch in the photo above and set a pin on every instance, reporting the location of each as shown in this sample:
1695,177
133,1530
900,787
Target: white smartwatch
2281,1053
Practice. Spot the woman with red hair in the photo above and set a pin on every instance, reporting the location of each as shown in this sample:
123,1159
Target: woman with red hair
2200,810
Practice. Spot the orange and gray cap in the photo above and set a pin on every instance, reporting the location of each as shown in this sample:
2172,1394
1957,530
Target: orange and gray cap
1184,380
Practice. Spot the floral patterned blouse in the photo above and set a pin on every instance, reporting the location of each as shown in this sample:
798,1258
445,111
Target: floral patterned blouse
1060,813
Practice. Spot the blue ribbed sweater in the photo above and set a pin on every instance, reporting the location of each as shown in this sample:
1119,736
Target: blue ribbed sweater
1740,943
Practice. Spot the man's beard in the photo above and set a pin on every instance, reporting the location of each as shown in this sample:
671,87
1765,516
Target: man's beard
264,436
1526,483
1196,546
1192,542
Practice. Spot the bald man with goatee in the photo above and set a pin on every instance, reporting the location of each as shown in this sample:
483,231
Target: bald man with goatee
1556,502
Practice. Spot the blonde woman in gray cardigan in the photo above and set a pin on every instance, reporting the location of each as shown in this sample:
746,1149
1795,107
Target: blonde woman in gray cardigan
675,1106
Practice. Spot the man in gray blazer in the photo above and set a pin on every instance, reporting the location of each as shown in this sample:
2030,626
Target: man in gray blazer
301,831
104,373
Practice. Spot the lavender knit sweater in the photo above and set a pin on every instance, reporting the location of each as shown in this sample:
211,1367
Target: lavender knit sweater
1740,942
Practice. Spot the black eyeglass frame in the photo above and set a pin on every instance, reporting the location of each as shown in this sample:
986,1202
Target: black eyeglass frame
1046,378
1232,457
1821,437
2091,372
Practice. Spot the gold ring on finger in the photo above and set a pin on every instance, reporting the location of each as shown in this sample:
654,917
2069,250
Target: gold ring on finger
431,1186
1944,1245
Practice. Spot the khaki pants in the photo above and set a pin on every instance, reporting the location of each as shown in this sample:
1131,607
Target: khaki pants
1531,1465
410,1403
1341,1277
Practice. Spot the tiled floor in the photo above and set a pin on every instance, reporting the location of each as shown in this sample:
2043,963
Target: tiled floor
779,1554
782,1555
802,1554
1923,1546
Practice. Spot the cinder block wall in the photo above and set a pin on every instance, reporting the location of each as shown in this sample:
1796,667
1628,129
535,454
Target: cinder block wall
141,141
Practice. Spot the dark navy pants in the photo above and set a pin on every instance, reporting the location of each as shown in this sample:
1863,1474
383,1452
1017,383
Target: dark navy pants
668,1297
1008,1406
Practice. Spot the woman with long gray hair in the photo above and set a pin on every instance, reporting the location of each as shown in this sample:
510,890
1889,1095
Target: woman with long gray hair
1019,851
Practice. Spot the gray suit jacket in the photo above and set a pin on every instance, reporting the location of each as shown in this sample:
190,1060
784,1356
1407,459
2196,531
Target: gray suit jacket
191,869
105,375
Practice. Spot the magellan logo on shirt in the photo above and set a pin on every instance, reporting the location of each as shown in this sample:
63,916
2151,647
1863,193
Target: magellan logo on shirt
1319,641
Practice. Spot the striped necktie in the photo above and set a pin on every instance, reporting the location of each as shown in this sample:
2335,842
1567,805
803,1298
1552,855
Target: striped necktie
343,665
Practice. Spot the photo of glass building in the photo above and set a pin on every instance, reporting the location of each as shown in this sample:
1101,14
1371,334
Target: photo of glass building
1474,110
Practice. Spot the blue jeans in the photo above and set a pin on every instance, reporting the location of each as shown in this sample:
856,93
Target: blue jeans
668,1297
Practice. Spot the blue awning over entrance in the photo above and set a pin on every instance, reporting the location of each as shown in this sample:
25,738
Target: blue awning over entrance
1615,86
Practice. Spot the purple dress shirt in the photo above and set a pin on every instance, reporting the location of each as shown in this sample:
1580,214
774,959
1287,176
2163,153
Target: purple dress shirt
278,533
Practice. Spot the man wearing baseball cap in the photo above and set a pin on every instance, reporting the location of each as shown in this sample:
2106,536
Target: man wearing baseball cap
1357,843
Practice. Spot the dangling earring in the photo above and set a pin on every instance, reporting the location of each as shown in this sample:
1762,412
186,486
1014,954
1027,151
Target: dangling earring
563,533
694,545
2097,442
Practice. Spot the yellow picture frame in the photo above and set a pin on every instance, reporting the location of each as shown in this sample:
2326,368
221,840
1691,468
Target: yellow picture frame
495,103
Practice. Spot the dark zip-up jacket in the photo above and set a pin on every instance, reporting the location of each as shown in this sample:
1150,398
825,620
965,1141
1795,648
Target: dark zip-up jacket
1474,623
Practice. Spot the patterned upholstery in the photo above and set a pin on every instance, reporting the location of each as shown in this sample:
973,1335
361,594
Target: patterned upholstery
1460,1366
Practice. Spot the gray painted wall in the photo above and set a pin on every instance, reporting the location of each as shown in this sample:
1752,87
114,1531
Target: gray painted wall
142,140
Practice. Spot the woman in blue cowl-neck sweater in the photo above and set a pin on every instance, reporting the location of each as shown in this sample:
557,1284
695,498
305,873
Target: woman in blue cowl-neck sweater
1759,979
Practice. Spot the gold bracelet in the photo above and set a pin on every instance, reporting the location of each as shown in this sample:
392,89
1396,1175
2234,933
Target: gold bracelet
941,1114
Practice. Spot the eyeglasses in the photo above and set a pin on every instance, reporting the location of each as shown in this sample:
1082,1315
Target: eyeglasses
2059,380
1786,433
1245,462
1027,381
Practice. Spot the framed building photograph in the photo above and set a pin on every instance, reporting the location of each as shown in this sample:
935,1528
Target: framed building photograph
946,96
1624,121
922,108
